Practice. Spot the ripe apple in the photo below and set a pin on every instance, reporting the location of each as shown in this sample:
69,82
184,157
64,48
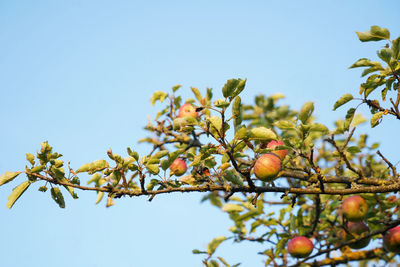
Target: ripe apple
282,152
178,167
355,208
356,229
187,110
300,247
391,240
267,167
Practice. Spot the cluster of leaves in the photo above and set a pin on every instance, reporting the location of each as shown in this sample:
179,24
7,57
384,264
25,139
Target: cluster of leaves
221,144
386,77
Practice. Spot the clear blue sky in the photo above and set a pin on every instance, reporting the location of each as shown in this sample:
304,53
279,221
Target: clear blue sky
80,75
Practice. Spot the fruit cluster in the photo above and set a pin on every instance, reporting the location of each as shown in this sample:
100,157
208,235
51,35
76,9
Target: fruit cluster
354,208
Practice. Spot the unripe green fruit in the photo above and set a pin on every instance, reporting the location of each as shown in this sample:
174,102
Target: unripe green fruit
178,167
267,167
187,110
356,229
281,153
391,240
355,208
300,247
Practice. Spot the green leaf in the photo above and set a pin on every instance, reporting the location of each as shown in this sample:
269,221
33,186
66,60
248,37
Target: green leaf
370,70
385,54
353,149
176,87
232,177
284,124
384,93
160,154
343,100
99,197
196,251
98,165
306,111
242,133
42,188
262,134
280,246
240,87
135,155
349,118
95,178
70,189
318,127
16,193
212,246
57,196
181,123
197,93
375,119
215,200
152,160
152,184
236,107
215,122
223,261
237,111
212,263
83,168
358,119
58,172
209,94
8,177
228,207
395,48
220,103
365,62
376,33
158,95
153,168
229,87
30,158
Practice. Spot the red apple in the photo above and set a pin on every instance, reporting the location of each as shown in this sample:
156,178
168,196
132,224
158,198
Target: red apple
178,167
355,208
187,110
356,229
391,240
300,247
267,167
282,152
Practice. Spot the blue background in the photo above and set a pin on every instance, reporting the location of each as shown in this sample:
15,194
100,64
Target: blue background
80,75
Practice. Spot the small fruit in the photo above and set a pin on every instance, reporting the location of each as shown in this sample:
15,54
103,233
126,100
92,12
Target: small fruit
178,167
355,208
300,247
282,152
187,110
356,229
267,167
391,240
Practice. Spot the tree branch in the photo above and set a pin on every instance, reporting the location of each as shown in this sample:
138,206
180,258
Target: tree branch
394,187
